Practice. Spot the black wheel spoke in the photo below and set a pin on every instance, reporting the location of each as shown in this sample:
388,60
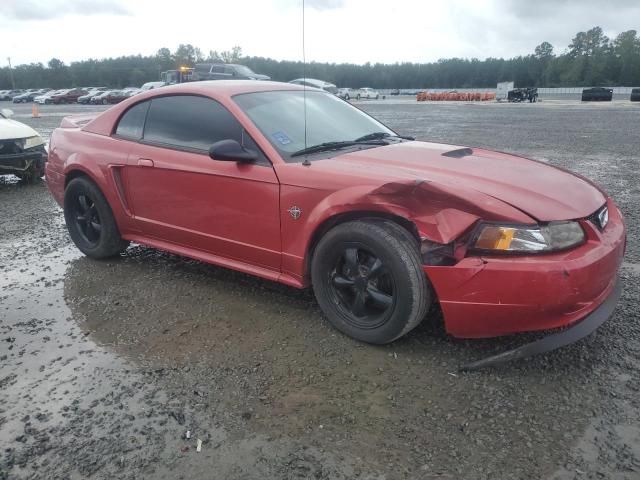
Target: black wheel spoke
342,282
362,287
91,234
351,260
375,269
379,299
84,204
358,304
87,219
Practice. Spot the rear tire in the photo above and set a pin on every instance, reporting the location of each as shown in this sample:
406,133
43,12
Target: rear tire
368,279
90,220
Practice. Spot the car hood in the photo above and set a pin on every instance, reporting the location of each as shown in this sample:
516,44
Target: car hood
10,130
541,191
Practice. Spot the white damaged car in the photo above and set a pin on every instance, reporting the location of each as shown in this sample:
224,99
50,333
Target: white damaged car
22,151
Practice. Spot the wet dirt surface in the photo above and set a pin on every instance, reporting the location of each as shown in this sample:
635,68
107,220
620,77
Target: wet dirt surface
104,366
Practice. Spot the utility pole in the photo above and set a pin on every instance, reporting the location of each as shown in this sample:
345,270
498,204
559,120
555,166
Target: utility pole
13,84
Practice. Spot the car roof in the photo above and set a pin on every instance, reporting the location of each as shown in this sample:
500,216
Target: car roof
320,83
103,123
226,87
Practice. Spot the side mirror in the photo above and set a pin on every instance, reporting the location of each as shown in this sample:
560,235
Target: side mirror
232,151
6,112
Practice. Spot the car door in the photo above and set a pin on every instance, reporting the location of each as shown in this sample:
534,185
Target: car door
179,194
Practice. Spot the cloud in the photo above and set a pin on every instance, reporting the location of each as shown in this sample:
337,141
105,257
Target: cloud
551,8
319,5
48,9
324,4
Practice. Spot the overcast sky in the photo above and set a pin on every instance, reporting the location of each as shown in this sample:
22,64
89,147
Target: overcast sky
355,31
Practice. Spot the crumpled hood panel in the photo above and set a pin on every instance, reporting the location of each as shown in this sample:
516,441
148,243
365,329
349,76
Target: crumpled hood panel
11,130
541,191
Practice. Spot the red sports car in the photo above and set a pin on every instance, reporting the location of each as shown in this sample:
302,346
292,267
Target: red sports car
381,226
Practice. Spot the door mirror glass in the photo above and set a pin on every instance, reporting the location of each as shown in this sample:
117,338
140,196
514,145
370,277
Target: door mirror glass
232,151
6,113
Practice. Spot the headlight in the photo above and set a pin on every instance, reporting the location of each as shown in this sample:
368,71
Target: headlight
521,239
32,142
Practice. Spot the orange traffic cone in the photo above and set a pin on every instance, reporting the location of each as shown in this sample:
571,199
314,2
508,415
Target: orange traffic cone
35,113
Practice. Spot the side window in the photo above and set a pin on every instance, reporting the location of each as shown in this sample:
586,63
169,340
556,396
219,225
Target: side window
217,69
193,123
131,123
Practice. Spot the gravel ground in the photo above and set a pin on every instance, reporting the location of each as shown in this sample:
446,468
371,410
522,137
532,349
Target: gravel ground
105,366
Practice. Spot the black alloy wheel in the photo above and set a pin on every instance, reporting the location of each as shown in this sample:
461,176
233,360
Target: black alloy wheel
363,288
87,220
368,279
90,220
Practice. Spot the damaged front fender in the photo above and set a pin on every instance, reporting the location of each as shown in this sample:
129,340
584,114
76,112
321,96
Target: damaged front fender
440,212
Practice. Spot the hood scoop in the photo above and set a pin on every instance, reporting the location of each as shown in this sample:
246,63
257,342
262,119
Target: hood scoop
459,153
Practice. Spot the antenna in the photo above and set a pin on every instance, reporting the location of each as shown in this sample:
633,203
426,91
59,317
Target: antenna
306,161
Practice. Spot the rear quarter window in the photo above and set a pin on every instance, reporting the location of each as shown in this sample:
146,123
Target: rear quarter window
131,124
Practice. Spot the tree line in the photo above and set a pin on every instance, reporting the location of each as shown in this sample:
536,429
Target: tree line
591,59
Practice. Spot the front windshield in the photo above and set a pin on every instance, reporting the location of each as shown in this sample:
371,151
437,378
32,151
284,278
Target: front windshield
279,115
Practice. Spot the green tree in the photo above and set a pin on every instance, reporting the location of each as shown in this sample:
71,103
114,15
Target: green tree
626,48
544,50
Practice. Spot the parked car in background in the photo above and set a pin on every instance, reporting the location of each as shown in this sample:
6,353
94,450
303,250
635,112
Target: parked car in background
315,83
394,92
225,71
369,93
85,99
68,96
131,91
151,85
42,99
9,94
94,89
29,96
111,97
357,93
635,95
103,97
22,150
597,94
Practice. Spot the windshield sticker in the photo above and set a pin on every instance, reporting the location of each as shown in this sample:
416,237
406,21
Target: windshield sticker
281,138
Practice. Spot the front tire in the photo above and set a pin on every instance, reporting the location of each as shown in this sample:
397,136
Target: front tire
31,176
90,220
368,279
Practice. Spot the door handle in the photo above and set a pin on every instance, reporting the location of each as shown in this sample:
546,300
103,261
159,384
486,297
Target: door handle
145,162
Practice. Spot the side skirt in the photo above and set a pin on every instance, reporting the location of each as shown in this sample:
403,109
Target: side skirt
262,272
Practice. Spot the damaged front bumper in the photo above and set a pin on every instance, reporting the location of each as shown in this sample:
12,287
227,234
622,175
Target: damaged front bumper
556,340
571,291
22,162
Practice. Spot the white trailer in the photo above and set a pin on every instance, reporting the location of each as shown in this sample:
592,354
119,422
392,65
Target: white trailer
502,90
